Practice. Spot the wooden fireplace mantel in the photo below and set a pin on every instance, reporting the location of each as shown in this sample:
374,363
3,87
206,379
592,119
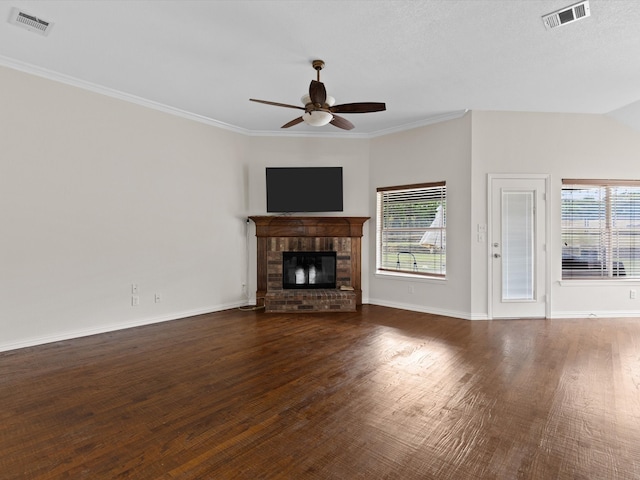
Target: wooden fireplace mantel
287,228
281,226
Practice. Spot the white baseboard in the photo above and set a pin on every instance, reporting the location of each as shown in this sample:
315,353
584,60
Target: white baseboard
41,340
423,309
484,316
598,314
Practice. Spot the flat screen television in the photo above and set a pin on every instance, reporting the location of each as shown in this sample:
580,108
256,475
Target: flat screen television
304,189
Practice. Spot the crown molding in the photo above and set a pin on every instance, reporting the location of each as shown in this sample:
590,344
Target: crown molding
307,134
441,117
110,92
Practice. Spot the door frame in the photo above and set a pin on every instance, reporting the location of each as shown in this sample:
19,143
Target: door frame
547,234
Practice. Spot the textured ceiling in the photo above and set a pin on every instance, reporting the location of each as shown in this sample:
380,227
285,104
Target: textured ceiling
426,59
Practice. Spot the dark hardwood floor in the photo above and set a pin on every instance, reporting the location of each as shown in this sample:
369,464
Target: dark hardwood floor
376,394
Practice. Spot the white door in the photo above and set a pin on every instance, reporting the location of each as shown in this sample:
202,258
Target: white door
517,247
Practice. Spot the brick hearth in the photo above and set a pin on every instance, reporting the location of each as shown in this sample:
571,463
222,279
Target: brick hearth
320,300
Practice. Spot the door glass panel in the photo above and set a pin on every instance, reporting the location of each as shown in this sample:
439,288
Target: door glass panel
518,234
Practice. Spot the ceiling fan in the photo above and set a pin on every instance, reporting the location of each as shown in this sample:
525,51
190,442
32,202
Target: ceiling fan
319,108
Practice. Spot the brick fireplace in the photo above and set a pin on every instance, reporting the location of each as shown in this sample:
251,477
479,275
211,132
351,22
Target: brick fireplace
278,234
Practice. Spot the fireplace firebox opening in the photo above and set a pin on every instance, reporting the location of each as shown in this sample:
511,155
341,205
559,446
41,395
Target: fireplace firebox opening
308,270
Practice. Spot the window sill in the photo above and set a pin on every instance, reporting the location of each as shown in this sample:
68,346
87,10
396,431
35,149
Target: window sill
408,276
599,282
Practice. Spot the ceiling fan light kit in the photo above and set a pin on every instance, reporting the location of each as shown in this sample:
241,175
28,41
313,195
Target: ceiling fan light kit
317,118
320,109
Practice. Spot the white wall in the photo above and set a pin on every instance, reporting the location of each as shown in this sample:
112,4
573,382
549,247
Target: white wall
350,154
563,146
97,194
428,154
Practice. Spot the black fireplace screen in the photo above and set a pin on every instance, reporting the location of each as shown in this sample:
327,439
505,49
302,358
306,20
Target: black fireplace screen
308,269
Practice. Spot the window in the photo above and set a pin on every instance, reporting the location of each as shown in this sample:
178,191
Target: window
412,229
600,229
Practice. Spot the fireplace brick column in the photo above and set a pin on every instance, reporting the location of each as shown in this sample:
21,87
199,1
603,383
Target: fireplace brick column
276,234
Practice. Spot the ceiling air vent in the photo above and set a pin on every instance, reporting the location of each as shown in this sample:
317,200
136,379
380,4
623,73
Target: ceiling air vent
30,22
567,15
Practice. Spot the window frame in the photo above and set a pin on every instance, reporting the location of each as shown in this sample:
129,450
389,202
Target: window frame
611,263
382,231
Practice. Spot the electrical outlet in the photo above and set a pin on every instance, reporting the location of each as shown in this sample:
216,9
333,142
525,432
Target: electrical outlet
158,298
632,294
411,290
134,289
135,300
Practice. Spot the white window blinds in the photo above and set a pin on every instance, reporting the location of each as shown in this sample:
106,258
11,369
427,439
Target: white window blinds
600,229
412,229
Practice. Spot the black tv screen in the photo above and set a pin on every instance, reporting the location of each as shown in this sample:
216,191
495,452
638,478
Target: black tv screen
304,189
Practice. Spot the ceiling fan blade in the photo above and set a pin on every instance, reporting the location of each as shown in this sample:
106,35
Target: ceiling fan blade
360,107
276,104
342,123
293,122
317,92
